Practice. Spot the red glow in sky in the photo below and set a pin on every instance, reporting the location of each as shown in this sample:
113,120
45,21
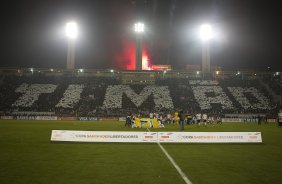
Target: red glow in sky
145,60
125,58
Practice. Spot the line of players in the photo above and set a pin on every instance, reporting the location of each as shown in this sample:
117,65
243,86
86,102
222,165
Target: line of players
198,118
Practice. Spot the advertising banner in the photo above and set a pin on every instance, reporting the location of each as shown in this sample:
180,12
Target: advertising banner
7,117
232,120
68,118
103,136
271,120
25,117
210,137
108,118
88,118
165,137
121,119
46,118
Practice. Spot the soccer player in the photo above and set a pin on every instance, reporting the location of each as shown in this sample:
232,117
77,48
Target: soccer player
205,118
151,115
168,118
198,118
160,122
189,118
133,123
218,120
128,119
175,118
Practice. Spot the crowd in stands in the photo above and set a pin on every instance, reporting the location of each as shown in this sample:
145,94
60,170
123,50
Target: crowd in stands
275,84
207,95
107,96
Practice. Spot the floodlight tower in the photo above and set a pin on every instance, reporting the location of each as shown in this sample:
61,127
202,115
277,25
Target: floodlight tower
71,34
139,30
206,35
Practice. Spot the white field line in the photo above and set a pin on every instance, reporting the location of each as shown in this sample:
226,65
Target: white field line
182,174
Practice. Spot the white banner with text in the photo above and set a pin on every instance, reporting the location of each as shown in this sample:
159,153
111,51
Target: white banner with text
165,137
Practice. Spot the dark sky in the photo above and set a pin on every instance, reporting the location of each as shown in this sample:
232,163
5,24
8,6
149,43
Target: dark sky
31,32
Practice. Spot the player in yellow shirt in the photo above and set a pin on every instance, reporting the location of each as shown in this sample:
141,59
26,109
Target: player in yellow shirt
175,118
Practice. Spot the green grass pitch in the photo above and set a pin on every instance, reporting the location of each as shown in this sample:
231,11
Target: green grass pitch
27,156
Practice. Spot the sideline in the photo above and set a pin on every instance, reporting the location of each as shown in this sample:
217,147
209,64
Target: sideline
182,174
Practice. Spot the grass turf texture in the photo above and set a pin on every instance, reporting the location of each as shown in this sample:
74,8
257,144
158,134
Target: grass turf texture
28,156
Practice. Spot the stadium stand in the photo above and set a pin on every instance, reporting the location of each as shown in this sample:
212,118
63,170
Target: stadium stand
70,94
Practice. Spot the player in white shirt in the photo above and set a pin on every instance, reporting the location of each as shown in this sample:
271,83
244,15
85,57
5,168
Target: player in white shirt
198,117
169,119
205,118
210,120
133,122
151,115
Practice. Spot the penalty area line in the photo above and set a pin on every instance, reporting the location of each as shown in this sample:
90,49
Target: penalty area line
182,174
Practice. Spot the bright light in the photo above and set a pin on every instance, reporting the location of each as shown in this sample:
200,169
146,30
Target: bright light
206,32
165,72
198,72
139,27
145,60
71,30
277,73
238,73
217,72
81,70
112,70
51,69
31,70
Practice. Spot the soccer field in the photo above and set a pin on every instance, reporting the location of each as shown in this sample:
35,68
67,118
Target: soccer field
27,156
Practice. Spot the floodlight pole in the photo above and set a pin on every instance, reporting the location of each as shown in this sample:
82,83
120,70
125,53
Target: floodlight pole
139,29
71,54
206,66
206,35
138,52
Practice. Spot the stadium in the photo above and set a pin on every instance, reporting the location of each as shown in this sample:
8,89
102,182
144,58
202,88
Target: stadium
140,121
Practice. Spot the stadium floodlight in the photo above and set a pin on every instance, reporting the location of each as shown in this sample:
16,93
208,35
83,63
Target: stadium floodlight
206,32
139,27
71,30
71,34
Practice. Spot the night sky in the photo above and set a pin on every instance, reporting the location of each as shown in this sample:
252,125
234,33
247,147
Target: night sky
32,32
